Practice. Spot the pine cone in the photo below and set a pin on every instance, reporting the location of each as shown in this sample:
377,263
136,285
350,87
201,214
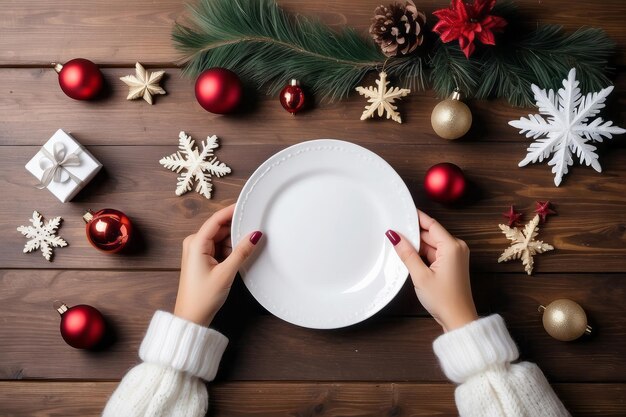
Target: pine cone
398,29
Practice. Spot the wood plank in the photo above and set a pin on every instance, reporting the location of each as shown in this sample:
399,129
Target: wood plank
34,95
394,345
239,399
589,232
34,32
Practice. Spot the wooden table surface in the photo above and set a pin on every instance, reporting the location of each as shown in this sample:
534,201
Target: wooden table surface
382,367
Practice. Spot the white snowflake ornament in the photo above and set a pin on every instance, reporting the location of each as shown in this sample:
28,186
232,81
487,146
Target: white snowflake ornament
523,244
189,159
42,236
566,130
381,99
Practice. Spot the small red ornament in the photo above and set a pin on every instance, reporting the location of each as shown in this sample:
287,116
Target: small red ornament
513,216
467,21
218,90
292,97
445,183
82,326
108,230
80,79
544,209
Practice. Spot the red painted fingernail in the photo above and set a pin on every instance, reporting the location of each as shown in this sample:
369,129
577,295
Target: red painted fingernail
255,237
393,237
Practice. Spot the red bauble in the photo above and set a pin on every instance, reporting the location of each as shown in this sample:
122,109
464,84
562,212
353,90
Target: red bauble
80,79
108,230
82,326
218,90
292,97
445,183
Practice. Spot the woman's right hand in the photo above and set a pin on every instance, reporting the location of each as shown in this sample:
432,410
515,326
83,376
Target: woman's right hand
444,287
209,266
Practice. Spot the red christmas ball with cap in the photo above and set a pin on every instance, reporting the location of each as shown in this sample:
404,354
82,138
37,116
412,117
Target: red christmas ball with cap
108,230
292,97
82,326
80,79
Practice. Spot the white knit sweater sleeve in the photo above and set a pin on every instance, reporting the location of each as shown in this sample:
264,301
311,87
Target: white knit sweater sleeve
177,356
478,356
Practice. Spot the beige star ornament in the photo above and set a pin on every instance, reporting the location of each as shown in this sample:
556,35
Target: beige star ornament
523,244
143,84
381,99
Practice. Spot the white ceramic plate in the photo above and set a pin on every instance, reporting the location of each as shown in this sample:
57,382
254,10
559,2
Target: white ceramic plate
324,261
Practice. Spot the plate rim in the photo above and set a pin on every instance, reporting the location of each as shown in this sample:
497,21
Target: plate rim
271,160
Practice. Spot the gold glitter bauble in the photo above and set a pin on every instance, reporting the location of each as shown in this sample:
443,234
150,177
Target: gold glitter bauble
565,320
451,118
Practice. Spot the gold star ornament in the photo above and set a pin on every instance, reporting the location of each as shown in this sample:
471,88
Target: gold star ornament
523,244
381,99
143,84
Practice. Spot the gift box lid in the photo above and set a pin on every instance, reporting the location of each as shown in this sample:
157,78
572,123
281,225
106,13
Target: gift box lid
79,168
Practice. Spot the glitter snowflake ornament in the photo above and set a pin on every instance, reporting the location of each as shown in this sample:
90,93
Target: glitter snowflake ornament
523,244
194,165
42,236
566,130
381,99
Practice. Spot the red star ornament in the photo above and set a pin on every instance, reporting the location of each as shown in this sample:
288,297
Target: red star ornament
544,209
513,216
468,21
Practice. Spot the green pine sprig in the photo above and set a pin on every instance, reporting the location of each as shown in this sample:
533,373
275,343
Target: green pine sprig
267,47
521,57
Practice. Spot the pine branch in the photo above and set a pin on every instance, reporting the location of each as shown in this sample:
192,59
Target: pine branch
267,47
508,69
522,56
542,57
451,70
504,75
550,54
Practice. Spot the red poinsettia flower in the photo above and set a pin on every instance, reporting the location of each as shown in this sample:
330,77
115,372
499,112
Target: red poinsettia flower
468,21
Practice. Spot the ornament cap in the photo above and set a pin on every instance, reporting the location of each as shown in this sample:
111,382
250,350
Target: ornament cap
456,94
60,306
88,216
294,82
57,67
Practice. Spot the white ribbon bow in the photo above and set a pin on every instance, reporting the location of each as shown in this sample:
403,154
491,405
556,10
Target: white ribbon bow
59,159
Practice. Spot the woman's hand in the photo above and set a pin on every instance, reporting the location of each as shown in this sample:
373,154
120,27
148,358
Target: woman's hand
443,288
204,281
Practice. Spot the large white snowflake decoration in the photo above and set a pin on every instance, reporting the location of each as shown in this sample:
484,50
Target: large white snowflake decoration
381,99
42,236
189,159
523,244
566,129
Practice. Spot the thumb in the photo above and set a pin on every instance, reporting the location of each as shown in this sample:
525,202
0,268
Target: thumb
240,253
407,253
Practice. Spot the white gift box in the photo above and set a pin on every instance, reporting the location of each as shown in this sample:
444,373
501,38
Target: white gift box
63,166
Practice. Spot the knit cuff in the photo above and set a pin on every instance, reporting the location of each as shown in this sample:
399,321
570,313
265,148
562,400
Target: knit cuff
183,345
473,348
